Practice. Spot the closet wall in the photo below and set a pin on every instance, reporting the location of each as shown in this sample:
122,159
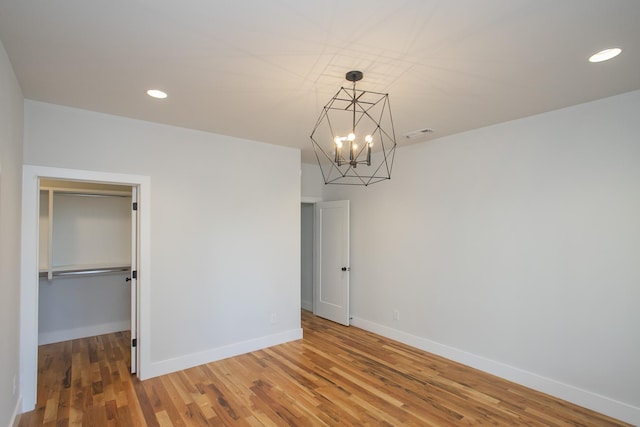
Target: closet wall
84,260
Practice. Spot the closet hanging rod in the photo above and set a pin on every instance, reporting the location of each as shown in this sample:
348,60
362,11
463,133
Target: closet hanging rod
87,272
72,193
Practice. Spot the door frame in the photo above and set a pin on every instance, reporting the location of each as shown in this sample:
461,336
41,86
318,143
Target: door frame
29,267
133,279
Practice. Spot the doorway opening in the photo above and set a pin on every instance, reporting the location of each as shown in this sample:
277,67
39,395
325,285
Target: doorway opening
325,268
306,256
87,247
34,266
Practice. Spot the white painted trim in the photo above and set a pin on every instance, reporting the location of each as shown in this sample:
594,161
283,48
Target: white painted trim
29,268
15,417
585,398
194,359
85,331
307,305
310,199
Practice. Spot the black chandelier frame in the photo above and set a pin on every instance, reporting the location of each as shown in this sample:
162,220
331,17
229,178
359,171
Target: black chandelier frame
366,109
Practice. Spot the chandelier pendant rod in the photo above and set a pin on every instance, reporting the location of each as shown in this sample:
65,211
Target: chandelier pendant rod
353,127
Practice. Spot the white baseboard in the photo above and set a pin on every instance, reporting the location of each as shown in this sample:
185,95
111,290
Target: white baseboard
86,331
15,418
212,355
307,305
587,399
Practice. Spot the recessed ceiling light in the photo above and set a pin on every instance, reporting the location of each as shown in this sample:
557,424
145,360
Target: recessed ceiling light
605,55
155,93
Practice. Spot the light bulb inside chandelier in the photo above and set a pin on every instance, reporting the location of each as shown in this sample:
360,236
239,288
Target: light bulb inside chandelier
353,150
352,120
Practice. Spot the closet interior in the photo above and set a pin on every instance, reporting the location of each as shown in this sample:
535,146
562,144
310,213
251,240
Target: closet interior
85,241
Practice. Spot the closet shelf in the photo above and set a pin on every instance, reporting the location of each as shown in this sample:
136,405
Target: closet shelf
84,270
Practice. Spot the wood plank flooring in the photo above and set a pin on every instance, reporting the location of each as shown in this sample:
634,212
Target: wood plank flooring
334,376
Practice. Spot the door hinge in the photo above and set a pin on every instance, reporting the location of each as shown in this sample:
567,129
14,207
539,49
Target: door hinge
135,206
134,342
134,274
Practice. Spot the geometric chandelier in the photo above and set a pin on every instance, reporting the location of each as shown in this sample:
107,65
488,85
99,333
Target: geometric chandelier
354,138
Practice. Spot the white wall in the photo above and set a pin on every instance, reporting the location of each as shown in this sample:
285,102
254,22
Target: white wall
312,185
11,123
514,248
90,231
83,306
225,275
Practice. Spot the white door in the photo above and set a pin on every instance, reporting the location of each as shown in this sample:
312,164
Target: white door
331,258
134,279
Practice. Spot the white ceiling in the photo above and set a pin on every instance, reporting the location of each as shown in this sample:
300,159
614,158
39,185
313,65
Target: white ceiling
263,70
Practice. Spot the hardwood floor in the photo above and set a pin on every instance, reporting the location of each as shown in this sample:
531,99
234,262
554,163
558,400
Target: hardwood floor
334,376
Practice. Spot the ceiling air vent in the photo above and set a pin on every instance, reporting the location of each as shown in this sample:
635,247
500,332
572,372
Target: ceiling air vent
417,134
